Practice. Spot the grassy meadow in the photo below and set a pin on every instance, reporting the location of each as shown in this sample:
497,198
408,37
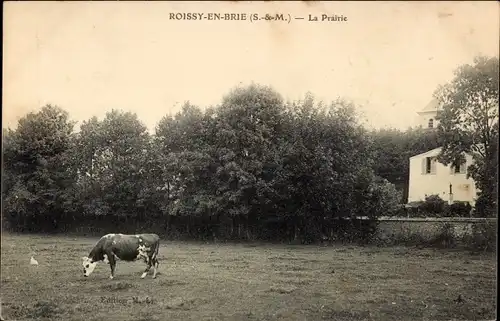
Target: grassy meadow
198,281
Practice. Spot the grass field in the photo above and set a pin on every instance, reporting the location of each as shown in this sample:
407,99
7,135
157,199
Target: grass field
246,282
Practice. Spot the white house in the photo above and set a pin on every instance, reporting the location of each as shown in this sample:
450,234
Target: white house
429,177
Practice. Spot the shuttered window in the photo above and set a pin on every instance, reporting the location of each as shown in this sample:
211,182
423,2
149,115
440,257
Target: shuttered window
429,165
462,169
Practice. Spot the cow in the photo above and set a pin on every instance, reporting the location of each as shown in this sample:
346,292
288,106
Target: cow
113,247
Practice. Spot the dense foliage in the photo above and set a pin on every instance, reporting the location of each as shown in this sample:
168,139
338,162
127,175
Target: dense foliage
39,176
252,167
392,149
435,206
469,124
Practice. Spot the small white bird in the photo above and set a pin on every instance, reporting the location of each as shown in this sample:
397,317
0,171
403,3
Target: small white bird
33,261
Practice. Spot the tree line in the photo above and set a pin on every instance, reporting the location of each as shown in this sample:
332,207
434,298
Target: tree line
254,161
252,167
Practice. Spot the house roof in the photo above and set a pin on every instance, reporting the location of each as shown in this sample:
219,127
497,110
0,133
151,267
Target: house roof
432,106
432,152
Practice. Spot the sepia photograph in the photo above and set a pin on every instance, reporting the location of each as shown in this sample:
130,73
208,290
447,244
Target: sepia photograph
249,160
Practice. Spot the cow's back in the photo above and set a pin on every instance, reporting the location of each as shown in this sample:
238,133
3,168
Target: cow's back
149,239
126,247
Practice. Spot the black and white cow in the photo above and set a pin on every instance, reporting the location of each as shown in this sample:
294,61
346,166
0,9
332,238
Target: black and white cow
113,247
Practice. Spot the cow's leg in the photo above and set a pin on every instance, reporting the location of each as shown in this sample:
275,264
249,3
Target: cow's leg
154,259
148,267
112,264
155,266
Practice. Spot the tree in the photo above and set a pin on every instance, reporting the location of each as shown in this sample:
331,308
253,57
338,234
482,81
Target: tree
392,151
254,165
323,167
40,186
247,128
186,170
112,162
469,124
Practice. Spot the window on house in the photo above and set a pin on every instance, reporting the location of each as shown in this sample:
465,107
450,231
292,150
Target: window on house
459,169
429,165
431,123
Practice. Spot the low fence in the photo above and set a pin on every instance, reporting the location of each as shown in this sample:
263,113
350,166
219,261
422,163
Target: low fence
431,225
443,231
454,230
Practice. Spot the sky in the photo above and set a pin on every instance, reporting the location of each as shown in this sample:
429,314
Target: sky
91,57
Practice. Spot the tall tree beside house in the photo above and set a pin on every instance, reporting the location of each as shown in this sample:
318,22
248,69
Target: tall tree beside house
469,124
324,169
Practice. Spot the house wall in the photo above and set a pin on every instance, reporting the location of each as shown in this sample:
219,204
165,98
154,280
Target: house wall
423,119
438,182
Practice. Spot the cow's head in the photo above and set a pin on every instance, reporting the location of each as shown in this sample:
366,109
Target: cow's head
88,266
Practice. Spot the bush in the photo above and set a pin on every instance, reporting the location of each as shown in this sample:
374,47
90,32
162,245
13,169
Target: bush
387,198
459,209
399,211
485,206
433,205
412,209
483,237
354,230
446,237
